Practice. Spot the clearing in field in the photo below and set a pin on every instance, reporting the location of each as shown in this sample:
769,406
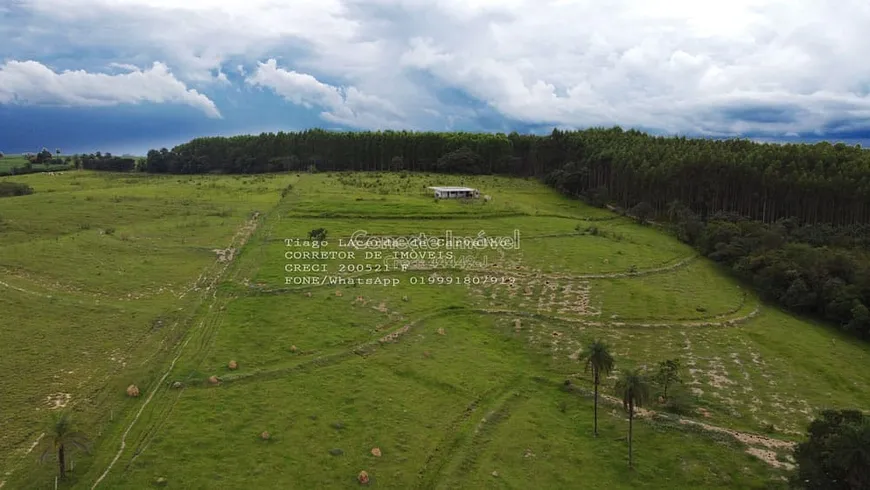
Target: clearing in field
453,378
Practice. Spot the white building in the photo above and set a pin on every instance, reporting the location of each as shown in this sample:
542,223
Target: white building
455,192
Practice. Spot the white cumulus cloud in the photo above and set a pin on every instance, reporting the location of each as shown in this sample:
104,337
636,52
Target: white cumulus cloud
31,82
719,67
342,105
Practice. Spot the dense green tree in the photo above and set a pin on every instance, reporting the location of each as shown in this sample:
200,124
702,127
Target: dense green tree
43,156
642,212
597,358
836,455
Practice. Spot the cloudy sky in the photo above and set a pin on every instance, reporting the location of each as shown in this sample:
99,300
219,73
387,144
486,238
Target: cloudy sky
129,75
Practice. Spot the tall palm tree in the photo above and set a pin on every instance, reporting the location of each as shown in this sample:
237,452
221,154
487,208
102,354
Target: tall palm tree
634,389
61,435
598,358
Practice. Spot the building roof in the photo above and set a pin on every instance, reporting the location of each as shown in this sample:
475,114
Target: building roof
455,189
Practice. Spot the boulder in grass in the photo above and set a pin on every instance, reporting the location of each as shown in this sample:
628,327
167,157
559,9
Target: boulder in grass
160,482
213,380
265,436
441,331
133,391
177,385
363,478
233,365
376,452
293,348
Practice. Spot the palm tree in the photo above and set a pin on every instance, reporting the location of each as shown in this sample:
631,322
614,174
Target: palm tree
633,387
599,359
60,436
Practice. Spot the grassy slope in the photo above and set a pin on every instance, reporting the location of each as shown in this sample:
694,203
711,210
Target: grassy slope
422,400
85,312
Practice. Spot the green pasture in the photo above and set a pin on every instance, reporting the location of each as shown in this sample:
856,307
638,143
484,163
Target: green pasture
458,376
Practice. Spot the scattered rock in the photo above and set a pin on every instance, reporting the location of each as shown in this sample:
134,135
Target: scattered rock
661,399
376,452
338,293
213,380
529,453
427,354
313,416
233,365
404,298
336,452
338,425
308,294
160,482
293,348
133,391
265,436
177,385
363,478
441,331
495,474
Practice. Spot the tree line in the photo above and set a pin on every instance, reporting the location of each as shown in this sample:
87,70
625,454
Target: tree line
107,162
793,220
820,183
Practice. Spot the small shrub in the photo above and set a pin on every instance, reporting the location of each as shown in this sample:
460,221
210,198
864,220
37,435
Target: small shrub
680,401
318,234
13,189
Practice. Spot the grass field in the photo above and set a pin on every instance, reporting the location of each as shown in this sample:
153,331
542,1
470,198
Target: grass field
456,374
